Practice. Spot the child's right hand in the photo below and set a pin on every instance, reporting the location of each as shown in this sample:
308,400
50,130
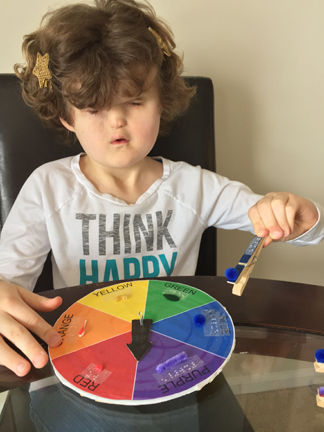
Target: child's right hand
17,316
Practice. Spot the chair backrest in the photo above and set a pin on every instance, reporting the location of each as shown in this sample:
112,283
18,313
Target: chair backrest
26,144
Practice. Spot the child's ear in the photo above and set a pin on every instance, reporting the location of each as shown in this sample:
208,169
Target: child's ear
67,125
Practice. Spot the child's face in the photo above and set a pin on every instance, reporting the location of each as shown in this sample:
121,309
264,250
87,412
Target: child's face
122,136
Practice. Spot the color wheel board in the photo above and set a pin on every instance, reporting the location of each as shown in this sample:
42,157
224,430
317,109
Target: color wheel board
163,321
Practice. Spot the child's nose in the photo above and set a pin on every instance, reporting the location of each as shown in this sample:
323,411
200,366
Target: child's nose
117,117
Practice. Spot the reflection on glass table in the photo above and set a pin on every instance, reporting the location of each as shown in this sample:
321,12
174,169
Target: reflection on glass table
256,392
276,393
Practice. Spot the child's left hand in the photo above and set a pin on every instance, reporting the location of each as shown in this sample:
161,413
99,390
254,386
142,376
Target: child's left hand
282,216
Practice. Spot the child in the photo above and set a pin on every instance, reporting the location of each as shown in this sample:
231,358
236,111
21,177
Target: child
108,75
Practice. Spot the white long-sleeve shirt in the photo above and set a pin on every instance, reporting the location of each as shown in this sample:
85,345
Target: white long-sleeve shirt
96,237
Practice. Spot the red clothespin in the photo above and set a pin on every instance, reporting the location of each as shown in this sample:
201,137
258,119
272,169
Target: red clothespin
82,329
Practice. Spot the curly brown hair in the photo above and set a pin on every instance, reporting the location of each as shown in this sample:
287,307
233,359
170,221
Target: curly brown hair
93,50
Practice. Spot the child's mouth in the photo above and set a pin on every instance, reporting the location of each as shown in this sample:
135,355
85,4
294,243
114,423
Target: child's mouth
119,141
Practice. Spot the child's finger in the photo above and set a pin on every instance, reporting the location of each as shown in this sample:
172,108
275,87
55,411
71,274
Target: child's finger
38,302
22,339
284,213
258,226
262,215
17,318
32,321
257,222
12,360
25,316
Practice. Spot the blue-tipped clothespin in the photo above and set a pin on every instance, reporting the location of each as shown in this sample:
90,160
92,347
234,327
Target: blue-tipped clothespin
239,275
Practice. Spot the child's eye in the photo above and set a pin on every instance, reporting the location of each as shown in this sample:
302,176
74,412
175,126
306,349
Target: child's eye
92,112
136,103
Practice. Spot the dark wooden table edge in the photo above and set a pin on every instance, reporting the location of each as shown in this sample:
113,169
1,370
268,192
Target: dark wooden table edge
264,303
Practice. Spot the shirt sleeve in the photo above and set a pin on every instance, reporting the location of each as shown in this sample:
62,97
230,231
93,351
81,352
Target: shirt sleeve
232,203
315,234
24,243
224,203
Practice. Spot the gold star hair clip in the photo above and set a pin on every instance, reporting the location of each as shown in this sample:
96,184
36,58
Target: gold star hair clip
42,72
161,43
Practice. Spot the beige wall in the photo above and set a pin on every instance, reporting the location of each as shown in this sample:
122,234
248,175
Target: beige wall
266,59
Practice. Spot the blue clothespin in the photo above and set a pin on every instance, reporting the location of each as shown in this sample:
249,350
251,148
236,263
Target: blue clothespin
239,275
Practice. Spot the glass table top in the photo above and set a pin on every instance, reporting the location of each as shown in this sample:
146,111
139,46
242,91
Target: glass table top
269,385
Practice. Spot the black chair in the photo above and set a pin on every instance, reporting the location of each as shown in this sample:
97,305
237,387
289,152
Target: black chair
26,144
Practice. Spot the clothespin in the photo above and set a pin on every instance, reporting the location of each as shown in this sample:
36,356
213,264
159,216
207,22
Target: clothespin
239,275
